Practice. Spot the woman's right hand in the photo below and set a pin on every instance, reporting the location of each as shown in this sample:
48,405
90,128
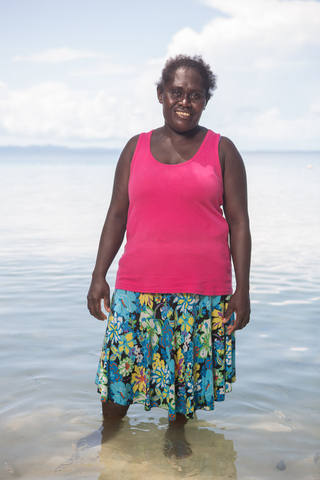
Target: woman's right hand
99,289
112,233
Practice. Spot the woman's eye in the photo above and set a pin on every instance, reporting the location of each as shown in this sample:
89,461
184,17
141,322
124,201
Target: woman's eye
176,93
195,96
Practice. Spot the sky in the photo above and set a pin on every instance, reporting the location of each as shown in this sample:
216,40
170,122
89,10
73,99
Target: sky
82,73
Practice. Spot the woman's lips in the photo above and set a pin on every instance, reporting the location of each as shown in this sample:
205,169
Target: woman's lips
183,114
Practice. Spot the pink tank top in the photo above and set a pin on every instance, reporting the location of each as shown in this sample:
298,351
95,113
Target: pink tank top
177,237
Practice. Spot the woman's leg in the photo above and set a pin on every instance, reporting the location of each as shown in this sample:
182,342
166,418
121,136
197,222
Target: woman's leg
113,410
112,419
175,440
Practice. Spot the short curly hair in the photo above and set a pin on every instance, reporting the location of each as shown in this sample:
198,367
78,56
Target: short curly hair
196,62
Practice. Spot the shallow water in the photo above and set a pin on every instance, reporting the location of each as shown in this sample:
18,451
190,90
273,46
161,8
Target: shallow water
52,209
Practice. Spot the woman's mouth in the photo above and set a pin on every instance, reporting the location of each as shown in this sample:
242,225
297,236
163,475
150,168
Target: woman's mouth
183,114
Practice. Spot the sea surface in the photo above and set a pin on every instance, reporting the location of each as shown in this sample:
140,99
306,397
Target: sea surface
53,204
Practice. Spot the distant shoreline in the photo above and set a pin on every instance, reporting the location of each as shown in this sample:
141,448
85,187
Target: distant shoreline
51,149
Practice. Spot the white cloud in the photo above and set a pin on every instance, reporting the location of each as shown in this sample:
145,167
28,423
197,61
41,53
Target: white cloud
57,55
294,22
266,54
270,130
52,113
267,57
253,31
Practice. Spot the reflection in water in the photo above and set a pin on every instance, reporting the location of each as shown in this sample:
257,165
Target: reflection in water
137,452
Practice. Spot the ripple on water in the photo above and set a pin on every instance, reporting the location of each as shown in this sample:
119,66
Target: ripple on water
50,346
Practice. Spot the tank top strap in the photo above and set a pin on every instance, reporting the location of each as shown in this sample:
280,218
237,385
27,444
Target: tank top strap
142,151
208,153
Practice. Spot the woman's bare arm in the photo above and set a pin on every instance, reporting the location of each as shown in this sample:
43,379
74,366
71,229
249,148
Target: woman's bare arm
236,212
112,233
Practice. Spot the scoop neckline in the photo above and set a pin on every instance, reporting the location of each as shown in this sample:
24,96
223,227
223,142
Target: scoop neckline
183,163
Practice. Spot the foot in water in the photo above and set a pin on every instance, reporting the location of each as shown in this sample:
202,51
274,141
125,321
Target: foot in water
113,415
109,428
175,442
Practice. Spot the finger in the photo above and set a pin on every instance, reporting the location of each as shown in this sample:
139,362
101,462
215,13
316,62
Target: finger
99,314
231,329
94,307
227,314
106,301
102,316
240,323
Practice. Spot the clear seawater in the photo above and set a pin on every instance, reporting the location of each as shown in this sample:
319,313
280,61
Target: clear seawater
52,210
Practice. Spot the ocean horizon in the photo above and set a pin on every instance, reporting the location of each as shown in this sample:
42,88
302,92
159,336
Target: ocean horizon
16,149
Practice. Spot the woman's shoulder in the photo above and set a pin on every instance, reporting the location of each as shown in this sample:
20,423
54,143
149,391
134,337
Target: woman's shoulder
130,148
132,143
230,158
228,149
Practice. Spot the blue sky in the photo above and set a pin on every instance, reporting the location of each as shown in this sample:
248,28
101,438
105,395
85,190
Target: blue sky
82,74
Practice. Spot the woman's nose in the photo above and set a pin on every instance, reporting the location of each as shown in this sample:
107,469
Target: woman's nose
184,100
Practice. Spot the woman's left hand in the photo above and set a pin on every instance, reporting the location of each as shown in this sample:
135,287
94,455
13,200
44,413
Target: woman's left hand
239,304
236,212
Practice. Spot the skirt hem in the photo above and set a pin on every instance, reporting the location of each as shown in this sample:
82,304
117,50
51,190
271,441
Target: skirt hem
147,408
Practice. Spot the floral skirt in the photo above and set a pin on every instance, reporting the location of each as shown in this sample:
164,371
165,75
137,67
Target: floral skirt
167,350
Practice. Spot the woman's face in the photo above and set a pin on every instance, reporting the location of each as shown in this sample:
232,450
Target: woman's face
184,99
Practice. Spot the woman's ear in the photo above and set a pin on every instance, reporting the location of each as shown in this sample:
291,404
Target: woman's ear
159,94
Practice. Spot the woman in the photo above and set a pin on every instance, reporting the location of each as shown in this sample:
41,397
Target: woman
170,337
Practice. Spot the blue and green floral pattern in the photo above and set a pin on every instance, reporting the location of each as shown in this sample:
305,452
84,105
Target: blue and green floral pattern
167,350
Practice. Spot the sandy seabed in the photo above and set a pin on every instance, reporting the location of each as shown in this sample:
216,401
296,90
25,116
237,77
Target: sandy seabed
36,448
